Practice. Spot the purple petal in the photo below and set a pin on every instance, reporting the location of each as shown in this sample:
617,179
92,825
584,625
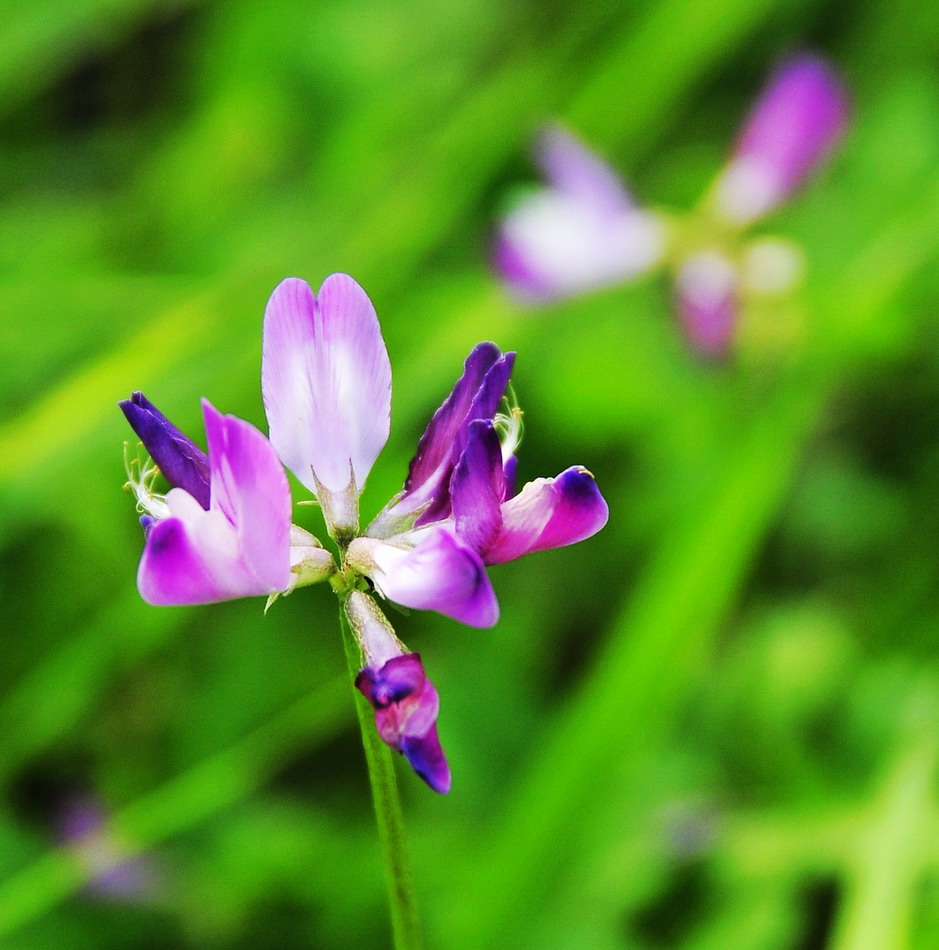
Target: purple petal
240,547
706,297
427,759
478,487
510,476
549,513
406,705
175,571
436,444
799,118
476,395
438,573
580,233
250,488
326,381
183,464
570,167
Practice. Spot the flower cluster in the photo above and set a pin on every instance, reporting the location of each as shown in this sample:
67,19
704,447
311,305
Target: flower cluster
224,528
584,230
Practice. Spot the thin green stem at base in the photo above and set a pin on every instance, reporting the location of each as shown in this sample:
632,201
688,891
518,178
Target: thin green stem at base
405,923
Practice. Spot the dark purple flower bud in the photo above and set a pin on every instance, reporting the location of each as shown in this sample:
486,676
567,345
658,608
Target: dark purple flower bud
406,706
798,119
182,462
477,394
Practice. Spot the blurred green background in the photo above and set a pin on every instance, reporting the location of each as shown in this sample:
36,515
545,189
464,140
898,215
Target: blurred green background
711,726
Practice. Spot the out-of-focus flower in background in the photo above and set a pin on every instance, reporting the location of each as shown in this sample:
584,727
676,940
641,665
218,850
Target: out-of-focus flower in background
584,231
581,231
112,872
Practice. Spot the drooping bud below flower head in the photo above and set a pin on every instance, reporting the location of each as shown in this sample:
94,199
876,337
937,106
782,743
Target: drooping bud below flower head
404,699
800,117
183,464
706,298
406,706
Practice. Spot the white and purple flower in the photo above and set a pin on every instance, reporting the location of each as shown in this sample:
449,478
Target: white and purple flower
583,230
224,529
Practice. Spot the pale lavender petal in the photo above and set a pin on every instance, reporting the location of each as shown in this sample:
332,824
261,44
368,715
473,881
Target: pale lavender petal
182,462
570,167
549,513
250,488
438,573
553,245
797,121
478,487
706,287
326,381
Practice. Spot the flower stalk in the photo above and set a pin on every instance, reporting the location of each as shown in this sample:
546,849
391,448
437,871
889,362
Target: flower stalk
405,923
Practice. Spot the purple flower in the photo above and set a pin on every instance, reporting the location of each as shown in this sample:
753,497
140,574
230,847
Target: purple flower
464,474
224,529
580,232
797,121
405,701
234,540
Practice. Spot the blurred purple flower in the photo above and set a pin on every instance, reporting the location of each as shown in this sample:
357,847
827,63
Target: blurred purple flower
580,232
799,118
584,231
111,873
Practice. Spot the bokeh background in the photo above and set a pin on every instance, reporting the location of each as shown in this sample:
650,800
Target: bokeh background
711,726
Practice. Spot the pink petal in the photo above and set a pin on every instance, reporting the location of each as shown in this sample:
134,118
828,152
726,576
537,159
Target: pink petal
438,573
249,486
549,513
797,121
326,381
193,558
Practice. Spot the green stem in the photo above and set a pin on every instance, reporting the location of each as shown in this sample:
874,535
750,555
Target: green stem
405,923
